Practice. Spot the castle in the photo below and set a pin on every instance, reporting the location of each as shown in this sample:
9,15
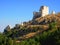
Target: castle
43,11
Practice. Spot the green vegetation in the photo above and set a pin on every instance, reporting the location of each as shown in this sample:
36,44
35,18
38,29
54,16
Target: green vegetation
5,40
49,37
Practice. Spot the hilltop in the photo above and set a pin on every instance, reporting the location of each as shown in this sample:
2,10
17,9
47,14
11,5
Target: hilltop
44,26
33,27
41,30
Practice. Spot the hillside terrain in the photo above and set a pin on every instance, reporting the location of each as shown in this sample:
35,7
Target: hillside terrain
40,31
38,24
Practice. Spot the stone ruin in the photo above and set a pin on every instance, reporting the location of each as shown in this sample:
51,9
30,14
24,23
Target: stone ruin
43,11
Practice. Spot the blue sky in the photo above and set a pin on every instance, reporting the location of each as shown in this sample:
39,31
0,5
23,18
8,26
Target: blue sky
16,11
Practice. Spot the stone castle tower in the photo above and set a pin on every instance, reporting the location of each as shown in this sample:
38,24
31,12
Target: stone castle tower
44,10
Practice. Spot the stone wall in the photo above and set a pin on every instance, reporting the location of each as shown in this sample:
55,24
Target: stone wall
44,10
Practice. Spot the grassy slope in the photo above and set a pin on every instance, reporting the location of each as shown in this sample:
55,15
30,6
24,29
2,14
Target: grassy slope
50,37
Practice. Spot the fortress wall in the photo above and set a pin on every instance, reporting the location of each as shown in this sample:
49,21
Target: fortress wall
44,11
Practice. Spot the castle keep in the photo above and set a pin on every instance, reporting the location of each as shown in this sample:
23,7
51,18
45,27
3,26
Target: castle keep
43,11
